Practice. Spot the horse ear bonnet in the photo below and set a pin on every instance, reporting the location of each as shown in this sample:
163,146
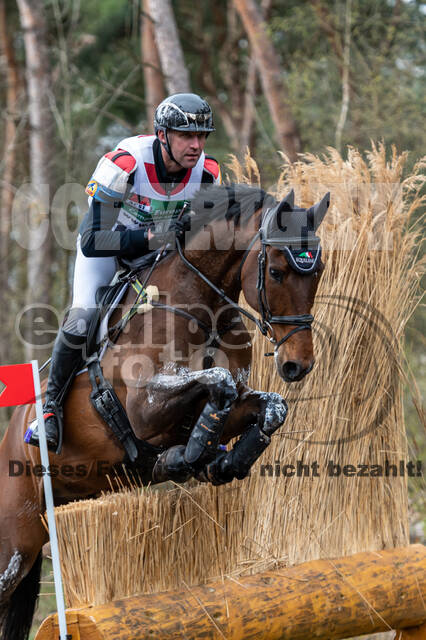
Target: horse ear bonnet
292,230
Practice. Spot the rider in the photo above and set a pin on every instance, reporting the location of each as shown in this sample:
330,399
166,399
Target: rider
134,192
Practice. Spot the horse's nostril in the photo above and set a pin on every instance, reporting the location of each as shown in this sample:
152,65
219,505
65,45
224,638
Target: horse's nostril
291,370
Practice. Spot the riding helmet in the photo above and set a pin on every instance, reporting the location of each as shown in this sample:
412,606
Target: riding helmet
184,112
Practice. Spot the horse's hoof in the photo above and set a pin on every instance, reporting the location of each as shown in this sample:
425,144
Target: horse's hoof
275,414
171,465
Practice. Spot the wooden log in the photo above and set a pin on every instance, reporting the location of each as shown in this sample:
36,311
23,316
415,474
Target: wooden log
415,633
322,599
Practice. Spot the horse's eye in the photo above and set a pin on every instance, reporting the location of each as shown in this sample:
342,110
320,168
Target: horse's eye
276,274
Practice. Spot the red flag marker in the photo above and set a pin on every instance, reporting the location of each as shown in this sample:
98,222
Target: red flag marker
19,382
23,387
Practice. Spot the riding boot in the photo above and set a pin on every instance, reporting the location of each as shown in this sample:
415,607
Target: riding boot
66,360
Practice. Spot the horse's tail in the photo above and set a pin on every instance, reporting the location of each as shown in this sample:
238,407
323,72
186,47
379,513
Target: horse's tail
16,623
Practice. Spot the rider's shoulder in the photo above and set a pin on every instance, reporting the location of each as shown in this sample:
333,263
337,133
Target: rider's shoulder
137,144
212,167
112,174
122,159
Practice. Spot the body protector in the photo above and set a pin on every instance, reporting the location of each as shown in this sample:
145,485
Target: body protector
145,201
127,196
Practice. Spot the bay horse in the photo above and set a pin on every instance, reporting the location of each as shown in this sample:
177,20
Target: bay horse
180,371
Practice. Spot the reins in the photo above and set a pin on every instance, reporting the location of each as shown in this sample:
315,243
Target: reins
302,322
216,289
212,335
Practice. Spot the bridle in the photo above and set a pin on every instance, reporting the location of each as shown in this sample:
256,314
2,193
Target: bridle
265,324
301,322
267,320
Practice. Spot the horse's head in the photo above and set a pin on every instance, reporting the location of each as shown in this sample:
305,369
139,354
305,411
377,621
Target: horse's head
281,280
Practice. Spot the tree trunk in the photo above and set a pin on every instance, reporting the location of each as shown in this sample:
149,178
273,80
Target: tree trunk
345,77
169,47
151,65
248,131
249,107
207,83
328,24
336,597
8,166
41,158
270,74
230,67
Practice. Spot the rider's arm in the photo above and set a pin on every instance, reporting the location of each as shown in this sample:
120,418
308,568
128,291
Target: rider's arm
99,238
108,188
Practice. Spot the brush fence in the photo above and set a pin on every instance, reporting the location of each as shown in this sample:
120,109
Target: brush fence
332,483
325,599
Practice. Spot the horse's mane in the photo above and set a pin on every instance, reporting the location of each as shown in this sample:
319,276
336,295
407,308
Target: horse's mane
237,202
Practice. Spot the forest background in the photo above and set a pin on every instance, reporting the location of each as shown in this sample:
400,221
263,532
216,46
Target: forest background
76,77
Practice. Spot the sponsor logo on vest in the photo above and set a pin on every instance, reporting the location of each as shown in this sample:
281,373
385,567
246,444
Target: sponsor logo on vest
150,210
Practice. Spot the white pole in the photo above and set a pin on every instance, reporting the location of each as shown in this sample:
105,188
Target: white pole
48,494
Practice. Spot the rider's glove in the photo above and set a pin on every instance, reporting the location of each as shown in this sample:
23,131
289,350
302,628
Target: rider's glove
177,229
159,238
181,225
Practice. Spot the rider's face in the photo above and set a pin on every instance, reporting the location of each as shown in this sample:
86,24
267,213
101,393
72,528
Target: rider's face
186,146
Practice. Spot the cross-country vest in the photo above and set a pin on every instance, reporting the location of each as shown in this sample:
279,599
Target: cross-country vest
146,201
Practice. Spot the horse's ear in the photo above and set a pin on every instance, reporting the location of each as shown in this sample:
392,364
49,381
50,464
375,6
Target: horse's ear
287,203
320,209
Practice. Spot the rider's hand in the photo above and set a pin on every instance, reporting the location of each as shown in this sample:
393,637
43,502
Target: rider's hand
157,240
181,225
177,229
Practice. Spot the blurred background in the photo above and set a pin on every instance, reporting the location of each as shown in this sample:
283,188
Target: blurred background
296,77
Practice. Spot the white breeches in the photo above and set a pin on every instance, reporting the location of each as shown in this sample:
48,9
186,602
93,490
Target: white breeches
89,275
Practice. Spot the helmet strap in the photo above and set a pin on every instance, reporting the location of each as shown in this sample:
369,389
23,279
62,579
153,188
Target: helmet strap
168,148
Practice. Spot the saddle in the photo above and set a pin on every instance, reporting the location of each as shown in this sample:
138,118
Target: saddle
109,297
103,397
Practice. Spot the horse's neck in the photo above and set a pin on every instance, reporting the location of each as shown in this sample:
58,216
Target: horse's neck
221,261
221,272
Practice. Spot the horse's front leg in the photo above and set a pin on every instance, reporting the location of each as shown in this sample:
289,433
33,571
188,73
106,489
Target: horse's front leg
260,414
180,462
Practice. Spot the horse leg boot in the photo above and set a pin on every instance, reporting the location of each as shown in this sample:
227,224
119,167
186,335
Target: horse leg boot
253,442
66,359
183,461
